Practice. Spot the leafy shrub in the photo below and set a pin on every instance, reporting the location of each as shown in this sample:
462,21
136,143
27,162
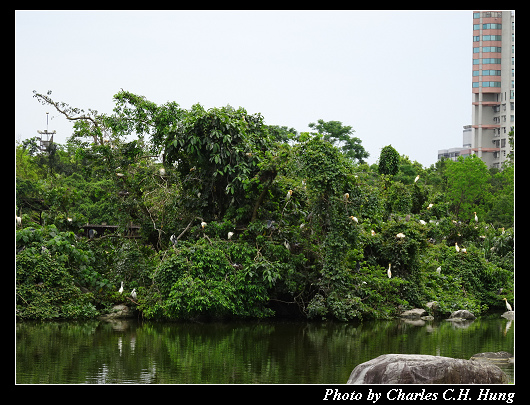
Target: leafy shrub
215,280
45,290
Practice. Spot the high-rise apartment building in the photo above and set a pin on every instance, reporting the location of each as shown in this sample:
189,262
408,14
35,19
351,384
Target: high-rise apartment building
493,85
493,90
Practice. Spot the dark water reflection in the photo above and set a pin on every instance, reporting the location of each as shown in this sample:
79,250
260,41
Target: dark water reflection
236,352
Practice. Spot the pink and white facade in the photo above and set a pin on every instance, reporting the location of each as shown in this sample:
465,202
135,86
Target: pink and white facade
492,87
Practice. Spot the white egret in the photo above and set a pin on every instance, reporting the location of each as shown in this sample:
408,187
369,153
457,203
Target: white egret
69,219
120,174
346,196
430,206
463,250
162,171
508,306
438,269
203,224
400,235
457,248
121,288
19,221
417,178
133,293
289,194
372,232
422,222
388,272
476,218
354,219
230,234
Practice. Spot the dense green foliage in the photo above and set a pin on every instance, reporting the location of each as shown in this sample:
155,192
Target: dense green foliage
389,161
242,219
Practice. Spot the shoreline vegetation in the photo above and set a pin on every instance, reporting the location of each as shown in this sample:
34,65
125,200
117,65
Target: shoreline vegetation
237,219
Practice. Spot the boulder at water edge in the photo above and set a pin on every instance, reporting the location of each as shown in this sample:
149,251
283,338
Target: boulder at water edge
118,312
414,313
461,314
494,357
424,369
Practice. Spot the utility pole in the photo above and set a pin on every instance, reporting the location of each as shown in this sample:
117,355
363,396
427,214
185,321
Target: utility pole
44,143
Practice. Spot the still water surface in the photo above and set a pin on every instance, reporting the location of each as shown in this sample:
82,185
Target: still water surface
130,351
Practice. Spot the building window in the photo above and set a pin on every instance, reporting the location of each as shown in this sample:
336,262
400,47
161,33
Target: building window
491,38
491,84
503,142
475,84
490,61
476,26
491,49
476,15
476,38
476,72
492,26
491,73
476,50
488,14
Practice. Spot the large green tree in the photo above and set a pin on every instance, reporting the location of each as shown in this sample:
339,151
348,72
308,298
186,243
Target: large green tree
388,161
467,185
342,137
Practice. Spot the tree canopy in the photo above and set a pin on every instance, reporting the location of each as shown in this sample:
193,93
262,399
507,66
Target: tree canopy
240,219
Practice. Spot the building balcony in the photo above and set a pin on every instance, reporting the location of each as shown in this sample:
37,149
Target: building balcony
486,126
487,103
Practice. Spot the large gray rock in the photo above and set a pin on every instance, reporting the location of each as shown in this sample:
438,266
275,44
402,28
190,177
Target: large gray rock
424,369
118,312
501,357
414,313
462,314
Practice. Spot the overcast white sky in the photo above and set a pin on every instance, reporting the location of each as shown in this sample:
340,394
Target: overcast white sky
397,77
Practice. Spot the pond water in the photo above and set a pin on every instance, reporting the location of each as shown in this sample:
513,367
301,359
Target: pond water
132,351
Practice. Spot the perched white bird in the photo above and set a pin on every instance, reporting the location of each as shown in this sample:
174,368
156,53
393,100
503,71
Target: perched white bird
456,247
162,171
230,234
372,232
121,288
476,218
346,196
417,178
508,306
438,269
133,293
388,272
422,222
203,224
69,219
400,235
430,206
19,221
354,219
120,174
463,250
289,194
